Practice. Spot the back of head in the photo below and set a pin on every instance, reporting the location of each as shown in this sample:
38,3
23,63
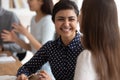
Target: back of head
99,21
99,26
63,5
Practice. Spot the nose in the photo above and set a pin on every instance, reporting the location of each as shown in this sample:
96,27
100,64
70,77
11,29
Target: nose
66,23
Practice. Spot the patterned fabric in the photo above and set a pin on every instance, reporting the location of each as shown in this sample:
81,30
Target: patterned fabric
62,58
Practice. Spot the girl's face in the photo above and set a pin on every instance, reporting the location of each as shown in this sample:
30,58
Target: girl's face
66,23
35,5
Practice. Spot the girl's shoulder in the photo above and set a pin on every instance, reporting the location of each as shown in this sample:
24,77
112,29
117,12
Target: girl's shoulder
85,55
85,68
47,18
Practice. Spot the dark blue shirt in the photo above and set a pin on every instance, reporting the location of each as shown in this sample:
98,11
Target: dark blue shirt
62,58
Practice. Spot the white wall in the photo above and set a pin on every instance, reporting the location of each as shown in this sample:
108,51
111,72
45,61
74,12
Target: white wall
24,15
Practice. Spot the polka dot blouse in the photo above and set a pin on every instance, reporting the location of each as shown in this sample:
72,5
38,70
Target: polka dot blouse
62,58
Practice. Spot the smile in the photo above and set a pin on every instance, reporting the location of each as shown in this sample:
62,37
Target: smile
65,29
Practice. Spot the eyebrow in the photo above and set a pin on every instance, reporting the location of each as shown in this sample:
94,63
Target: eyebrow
66,17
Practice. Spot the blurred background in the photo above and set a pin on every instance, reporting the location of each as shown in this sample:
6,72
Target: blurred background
20,7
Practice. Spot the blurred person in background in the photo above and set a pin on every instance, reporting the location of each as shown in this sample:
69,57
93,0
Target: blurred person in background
7,18
42,28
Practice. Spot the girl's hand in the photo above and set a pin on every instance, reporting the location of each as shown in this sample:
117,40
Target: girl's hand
20,28
22,77
43,75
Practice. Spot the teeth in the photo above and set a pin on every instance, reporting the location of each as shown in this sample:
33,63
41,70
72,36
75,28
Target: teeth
66,29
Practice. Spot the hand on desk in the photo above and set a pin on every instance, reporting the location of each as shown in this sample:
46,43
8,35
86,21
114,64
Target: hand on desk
42,75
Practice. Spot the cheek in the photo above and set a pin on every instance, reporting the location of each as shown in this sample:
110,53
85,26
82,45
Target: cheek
74,25
57,24
35,4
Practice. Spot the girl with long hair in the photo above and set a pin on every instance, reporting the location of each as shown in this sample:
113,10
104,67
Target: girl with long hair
101,40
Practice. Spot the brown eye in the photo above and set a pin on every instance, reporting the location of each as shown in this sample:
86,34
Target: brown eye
71,19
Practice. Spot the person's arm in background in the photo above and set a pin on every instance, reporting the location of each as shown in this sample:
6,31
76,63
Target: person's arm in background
19,28
11,36
13,46
48,30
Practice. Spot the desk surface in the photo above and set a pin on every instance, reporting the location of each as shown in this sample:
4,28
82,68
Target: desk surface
10,68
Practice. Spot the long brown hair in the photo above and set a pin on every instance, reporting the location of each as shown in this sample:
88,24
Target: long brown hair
101,36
